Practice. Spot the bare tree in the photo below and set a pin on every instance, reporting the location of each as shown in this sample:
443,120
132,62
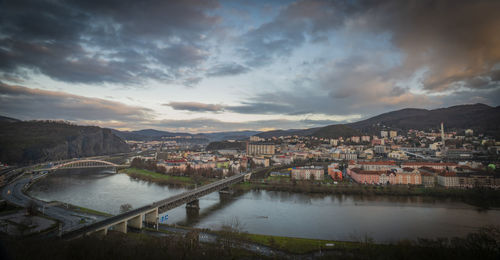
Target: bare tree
125,207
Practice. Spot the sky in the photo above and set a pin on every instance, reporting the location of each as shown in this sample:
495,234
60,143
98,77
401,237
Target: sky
208,66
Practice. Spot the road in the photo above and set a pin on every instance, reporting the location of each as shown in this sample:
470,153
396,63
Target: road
13,193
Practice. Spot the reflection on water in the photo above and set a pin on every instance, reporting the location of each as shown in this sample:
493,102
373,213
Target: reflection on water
340,217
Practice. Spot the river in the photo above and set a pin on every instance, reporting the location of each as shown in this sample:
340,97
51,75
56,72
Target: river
344,217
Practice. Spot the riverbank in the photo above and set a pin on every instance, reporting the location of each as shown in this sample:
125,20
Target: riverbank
163,179
483,244
293,245
480,197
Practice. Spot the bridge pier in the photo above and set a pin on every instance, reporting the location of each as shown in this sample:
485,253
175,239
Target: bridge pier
101,232
225,194
195,204
152,216
135,222
121,227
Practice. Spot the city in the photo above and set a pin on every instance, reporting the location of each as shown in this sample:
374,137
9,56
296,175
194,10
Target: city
294,129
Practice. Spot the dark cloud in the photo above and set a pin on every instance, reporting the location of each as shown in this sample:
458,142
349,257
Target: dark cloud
104,41
244,108
263,108
455,40
291,28
25,103
227,69
195,106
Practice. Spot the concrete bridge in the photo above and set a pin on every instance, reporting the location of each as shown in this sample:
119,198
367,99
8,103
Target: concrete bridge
149,213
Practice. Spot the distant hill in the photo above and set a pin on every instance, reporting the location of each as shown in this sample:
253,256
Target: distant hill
25,142
146,134
336,131
298,132
152,134
4,119
236,135
479,117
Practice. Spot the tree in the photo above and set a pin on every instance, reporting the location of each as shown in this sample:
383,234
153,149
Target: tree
125,207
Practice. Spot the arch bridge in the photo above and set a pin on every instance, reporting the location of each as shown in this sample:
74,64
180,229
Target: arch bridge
80,164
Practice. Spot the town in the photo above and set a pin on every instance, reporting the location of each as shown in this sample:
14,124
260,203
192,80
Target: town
435,158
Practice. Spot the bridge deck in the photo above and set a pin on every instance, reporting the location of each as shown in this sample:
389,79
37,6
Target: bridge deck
162,205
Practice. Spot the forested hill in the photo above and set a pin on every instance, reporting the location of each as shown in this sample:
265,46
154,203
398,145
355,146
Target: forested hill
25,142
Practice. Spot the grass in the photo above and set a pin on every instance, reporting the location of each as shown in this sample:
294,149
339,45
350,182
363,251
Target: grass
154,176
279,178
295,245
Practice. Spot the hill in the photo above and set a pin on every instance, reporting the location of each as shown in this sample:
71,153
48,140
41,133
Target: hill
4,119
26,142
336,131
152,134
298,132
479,117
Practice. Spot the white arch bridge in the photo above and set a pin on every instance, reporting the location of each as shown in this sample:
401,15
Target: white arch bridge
82,164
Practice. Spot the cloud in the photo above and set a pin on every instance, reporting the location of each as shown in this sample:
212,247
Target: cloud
227,69
195,106
96,42
25,103
244,108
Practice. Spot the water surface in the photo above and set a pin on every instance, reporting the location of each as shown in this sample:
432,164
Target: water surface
338,217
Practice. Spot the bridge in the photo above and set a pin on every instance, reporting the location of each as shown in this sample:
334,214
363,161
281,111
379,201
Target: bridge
82,164
149,213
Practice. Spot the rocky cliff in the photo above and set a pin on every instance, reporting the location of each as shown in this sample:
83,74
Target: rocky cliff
36,141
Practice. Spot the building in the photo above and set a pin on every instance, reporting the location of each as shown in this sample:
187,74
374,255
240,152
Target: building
380,149
448,179
376,166
393,134
334,172
428,180
282,159
365,138
264,162
255,138
376,141
384,134
434,165
388,177
260,149
365,177
308,173
408,176
397,155
355,139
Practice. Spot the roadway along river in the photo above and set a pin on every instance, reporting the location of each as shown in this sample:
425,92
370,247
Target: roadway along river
276,213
